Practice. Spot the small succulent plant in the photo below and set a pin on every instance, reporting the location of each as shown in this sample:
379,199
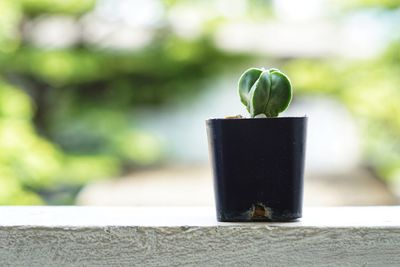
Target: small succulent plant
265,92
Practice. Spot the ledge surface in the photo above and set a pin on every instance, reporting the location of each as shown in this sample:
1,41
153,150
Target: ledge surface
123,236
79,216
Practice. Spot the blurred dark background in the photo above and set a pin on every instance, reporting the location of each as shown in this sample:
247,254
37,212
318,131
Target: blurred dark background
103,102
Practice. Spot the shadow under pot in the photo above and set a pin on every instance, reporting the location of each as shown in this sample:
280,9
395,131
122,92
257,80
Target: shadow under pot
258,167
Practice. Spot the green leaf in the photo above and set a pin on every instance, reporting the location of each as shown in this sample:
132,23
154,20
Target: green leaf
260,94
280,95
246,82
267,92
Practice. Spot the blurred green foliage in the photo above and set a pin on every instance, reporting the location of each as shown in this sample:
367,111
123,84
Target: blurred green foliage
357,4
369,88
29,163
38,7
371,91
67,114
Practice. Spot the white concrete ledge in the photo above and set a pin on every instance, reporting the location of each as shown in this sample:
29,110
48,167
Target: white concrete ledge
100,236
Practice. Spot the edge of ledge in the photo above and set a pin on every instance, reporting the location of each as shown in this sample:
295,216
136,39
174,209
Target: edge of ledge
85,216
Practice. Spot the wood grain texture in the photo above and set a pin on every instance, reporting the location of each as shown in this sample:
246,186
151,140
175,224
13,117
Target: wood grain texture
34,243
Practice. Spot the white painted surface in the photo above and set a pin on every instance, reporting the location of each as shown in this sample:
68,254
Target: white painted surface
98,236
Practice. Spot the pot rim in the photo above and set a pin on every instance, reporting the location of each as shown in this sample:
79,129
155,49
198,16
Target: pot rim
259,119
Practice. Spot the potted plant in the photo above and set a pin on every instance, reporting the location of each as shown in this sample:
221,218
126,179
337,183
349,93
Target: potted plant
258,162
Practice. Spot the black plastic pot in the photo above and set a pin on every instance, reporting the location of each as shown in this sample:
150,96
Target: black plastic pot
258,167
